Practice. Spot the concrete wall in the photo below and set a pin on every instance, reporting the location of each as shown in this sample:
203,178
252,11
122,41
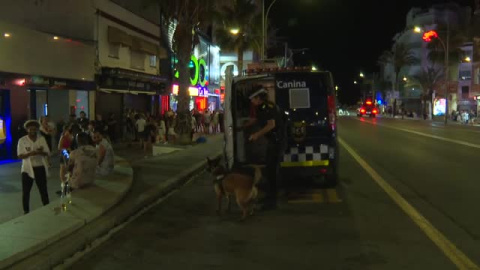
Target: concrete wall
31,52
71,18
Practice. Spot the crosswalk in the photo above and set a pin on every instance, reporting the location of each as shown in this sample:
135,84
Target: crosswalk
329,195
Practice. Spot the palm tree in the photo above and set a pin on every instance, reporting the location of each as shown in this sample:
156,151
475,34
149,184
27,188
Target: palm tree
188,16
402,56
245,16
427,79
457,38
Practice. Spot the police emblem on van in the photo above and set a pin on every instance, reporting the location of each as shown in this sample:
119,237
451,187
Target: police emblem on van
299,131
291,84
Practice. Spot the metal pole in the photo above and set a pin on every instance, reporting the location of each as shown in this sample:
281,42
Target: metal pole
262,53
447,70
286,51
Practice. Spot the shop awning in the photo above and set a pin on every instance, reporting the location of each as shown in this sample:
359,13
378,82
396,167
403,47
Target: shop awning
123,91
118,36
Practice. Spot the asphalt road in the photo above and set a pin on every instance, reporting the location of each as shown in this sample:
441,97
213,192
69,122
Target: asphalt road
355,226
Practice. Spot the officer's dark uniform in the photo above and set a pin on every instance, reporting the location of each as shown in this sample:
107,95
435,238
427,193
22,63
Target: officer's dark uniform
268,111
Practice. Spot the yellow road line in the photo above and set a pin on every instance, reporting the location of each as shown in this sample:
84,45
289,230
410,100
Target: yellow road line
309,163
332,196
447,247
317,197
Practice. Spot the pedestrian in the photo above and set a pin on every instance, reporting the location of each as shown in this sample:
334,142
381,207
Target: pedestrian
65,143
271,122
112,128
83,121
33,150
47,132
106,156
82,163
140,125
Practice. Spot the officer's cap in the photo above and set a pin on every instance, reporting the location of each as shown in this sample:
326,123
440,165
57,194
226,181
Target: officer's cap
257,92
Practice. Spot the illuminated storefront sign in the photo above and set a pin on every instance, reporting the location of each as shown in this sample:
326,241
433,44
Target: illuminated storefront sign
439,107
200,71
192,91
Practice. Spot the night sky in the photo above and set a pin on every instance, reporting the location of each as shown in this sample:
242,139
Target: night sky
344,36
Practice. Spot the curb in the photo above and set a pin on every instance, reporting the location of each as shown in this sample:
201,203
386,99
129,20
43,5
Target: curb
65,251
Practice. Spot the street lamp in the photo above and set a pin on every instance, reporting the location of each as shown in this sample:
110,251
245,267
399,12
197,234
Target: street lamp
234,31
264,26
361,75
427,37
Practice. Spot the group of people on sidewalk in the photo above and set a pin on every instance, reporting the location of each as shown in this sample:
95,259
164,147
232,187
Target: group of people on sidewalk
83,150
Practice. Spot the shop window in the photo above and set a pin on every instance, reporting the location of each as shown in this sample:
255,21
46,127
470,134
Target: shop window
153,60
137,60
114,50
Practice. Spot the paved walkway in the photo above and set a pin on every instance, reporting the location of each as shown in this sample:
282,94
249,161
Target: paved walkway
11,190
11,183
154,177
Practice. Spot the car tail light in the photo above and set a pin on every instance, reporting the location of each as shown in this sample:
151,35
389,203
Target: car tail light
374,111
331,111
362,110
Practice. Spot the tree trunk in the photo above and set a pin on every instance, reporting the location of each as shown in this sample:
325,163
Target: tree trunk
183,123
240,60
424,106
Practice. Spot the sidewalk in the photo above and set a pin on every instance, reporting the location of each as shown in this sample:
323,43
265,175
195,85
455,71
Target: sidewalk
153,177
11,189
435,120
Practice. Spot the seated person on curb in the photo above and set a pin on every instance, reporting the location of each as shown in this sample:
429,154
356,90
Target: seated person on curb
82,163
105,161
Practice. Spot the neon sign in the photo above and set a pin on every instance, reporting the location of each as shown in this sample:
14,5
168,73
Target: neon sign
200,71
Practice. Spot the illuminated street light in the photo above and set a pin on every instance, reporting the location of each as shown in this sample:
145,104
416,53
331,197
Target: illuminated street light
234,31
417,29
6,35
361,75
427,37
468,59
405,79
336,87
314,68
354,82
55,38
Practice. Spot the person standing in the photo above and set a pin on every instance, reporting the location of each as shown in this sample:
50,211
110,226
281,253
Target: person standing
83,121
140,125
33,150
272,128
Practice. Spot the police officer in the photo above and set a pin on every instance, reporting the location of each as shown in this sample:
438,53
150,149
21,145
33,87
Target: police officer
271,126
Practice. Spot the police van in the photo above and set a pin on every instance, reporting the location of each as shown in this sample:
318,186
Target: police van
307,101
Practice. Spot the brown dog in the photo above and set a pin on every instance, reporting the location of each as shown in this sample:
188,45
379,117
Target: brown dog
240,184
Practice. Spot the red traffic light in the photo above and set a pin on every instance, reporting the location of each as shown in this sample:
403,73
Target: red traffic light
427,36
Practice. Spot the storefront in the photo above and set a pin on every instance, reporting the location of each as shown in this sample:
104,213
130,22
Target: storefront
121,89
204,78
5,124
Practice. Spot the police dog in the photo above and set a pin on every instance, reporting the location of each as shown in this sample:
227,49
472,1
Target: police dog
241,184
